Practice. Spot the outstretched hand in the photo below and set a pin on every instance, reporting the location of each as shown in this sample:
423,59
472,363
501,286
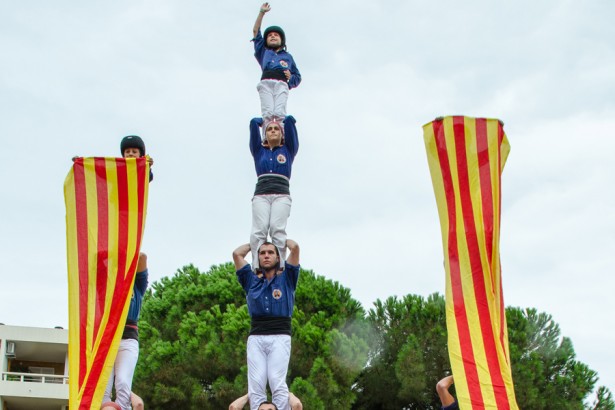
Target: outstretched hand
265,8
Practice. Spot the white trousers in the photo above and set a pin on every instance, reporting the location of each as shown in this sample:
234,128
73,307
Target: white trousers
123,370
273,95
268,358
269,217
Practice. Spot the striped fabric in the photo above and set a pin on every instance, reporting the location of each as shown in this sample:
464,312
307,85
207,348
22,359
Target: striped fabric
466,157
106,202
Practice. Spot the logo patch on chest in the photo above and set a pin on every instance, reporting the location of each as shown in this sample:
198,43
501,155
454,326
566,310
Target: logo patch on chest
281,159
283,63
277,294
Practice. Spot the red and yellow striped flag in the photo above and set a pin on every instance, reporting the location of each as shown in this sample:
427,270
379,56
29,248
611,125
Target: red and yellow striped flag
466,158
106,202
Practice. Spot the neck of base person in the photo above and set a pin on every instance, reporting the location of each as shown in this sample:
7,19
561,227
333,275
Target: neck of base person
270,273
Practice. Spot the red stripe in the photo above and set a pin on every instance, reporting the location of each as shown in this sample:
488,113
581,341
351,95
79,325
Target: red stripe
465,341
81,222
480,290
103,242
485,186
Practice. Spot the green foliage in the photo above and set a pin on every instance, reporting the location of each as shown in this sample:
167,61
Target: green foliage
409,356
545,371
604,400
194,327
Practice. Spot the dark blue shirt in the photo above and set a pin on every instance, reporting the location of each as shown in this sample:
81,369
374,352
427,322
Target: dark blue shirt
277,161
139,289
269,59
275,298
453,406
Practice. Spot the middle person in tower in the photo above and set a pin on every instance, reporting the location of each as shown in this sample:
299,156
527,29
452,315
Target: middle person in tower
273,160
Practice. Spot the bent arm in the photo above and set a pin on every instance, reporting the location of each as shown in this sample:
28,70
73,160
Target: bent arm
136,401
239,403
256,141
293,247
291,136
442,388
294,402
239,256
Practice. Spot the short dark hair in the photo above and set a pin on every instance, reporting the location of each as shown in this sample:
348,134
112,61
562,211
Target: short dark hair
268,402
277,251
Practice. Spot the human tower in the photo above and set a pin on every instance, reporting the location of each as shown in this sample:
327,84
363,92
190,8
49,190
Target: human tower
271,280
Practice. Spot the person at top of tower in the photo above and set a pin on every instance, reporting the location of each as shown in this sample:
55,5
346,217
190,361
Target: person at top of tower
280,72
273,160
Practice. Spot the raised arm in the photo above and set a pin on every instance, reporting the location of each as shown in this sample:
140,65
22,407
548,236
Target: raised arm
259,19
256,140
239,403
239,256
291,137
442,388
293,247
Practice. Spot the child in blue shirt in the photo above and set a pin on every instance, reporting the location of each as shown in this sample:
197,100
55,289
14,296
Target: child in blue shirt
280,73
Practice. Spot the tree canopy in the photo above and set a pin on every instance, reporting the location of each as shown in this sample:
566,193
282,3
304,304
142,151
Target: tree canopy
194,327
193,332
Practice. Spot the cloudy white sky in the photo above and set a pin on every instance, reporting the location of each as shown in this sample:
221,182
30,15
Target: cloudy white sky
75,77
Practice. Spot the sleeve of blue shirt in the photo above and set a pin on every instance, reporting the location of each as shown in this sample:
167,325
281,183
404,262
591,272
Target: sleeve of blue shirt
141,281
295,76
256,142
244,276
291,137
259,48
292,274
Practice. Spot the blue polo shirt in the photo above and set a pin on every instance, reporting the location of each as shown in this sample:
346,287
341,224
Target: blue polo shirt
277,161
275,298
269,59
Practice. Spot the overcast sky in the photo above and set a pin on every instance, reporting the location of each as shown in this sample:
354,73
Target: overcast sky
75,77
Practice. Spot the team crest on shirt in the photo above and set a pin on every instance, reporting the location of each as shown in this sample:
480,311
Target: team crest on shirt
277,294
283,63
281,159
